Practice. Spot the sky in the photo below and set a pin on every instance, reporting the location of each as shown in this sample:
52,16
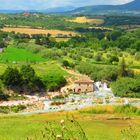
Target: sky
45,4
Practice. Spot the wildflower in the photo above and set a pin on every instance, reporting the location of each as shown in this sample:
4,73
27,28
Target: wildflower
58,137
62,122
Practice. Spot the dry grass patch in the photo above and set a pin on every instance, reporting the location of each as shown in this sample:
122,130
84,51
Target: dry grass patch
136,71
87,20
37,31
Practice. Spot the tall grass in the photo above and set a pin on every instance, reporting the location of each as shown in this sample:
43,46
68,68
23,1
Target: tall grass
125,109
68,129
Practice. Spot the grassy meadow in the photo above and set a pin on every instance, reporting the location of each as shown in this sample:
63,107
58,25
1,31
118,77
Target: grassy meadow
12,54
95,126
41,69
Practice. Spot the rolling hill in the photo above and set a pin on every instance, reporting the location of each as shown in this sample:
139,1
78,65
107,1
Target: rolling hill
49,10
128,8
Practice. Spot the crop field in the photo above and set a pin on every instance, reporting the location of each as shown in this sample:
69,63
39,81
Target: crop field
22,126
37,31
87,20
12,54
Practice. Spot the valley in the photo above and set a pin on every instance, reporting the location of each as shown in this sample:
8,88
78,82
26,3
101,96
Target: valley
70,74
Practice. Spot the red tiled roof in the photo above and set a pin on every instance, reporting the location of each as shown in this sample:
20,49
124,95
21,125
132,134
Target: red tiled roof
84,81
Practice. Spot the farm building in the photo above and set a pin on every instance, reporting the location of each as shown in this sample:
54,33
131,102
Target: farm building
84,86
26,14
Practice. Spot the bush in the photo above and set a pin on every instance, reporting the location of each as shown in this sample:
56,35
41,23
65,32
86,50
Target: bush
54,81
98,57
113,59
24,80
8,109
127,109
4,109
126,87
66,63
17,108
137,56
98,72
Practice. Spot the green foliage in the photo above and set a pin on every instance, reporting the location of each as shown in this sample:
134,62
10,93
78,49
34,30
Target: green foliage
65,130
98,72
65,63
54,81
23,80
43,21
126,87
131,133
13,109
137,56
17,108
124,109
98,57
127,109
30,82
122,68
113,59
11,78
114,35
27,72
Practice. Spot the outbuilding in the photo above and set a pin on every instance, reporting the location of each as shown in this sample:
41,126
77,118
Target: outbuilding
84,86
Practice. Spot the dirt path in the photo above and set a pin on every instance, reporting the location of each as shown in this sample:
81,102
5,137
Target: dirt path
71,80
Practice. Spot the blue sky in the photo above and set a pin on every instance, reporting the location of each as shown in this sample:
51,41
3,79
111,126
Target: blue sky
44,4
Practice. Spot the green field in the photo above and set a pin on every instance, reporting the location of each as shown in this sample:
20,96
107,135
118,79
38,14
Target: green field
21,127
12,54
41,69
48,68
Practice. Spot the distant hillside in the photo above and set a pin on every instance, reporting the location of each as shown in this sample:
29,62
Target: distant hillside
50,10
132,7
11,11
58,9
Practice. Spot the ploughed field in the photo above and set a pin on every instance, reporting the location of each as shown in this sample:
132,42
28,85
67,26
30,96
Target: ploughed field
31,31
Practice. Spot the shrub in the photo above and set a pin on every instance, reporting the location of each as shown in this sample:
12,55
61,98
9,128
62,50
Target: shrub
54,81
23,80
4,109
113,59
66,63
137,56
98,57
126,87
127,109
17,108
98,72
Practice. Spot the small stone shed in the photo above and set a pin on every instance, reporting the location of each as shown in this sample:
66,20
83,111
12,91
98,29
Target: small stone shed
84,86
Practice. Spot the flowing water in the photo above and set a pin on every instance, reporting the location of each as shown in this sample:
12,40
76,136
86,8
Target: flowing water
101,96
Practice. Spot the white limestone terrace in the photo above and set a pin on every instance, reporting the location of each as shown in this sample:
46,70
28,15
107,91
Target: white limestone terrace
102,96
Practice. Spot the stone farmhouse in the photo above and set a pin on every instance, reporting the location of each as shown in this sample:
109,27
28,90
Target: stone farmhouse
84,86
